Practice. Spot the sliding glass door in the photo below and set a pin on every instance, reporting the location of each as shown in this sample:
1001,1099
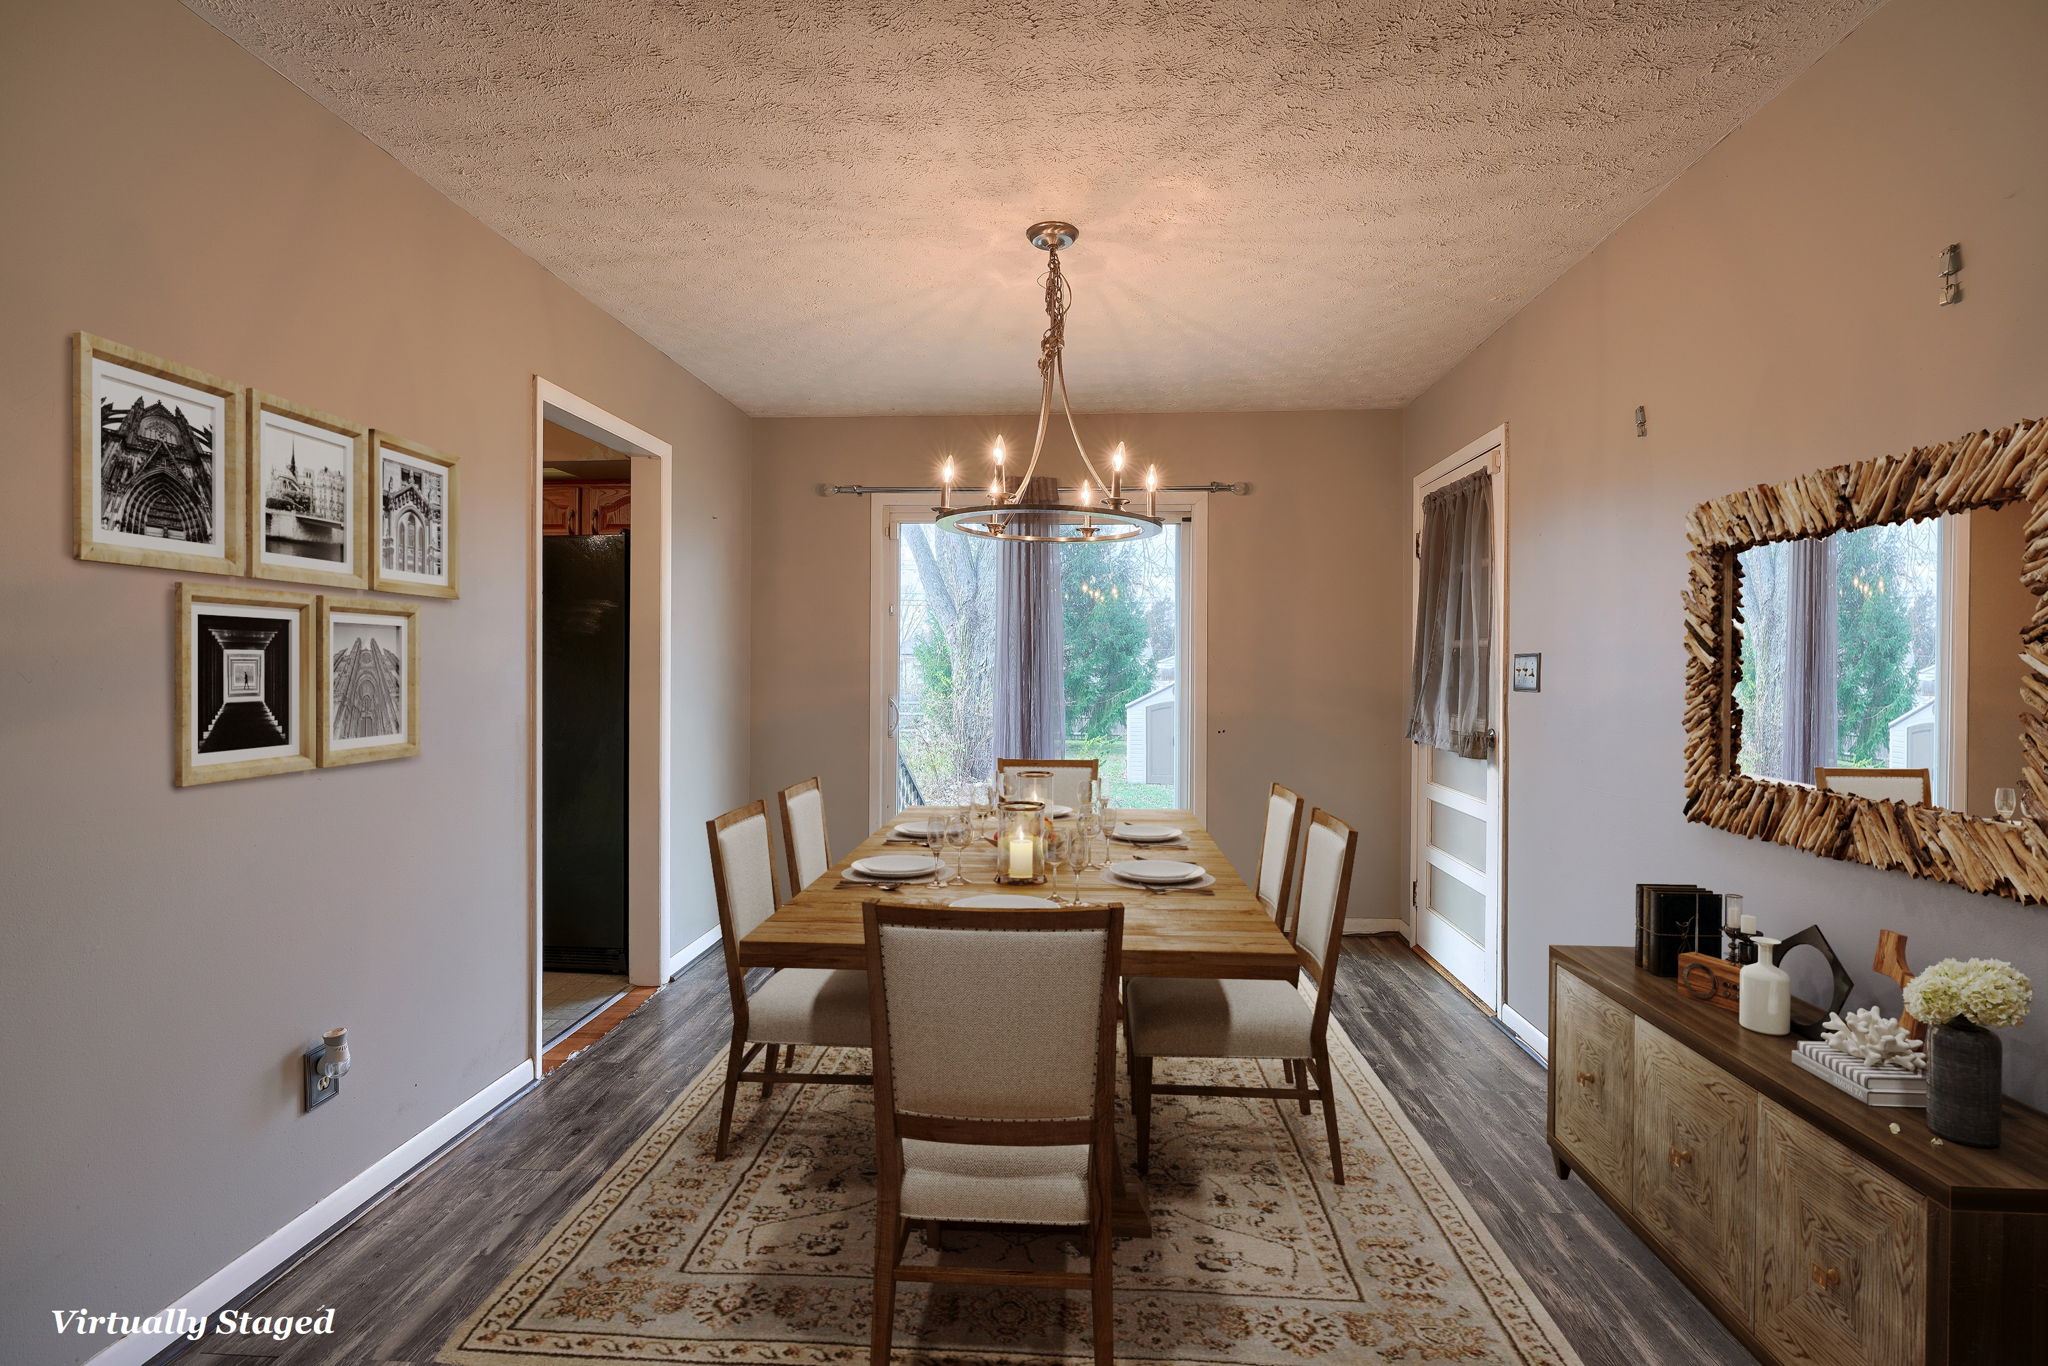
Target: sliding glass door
1126,681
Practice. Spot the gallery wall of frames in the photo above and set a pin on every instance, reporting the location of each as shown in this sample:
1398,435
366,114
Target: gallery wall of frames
180,469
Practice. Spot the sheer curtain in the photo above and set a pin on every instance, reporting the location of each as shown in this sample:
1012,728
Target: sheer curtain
1453,667
1030,691
1812,714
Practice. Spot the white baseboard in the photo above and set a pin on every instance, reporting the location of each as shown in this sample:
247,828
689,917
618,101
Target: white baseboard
1359,924
687,955
221,1288
1526,1032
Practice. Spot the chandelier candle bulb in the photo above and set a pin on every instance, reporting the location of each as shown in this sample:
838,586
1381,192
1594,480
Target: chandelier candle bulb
1152,491
1116,476
946,486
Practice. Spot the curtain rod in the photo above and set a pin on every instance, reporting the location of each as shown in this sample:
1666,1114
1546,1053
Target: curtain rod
827,490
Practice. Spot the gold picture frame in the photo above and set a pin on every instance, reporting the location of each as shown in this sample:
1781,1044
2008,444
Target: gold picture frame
241,677
417,506
356,681
170,465
347,445
1979,470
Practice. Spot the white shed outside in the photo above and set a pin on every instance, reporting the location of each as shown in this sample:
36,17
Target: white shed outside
1151,731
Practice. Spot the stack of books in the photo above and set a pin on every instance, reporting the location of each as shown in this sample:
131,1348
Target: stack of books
1893,1086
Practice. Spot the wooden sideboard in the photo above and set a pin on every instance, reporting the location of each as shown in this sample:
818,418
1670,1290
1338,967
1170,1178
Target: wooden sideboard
1814,1232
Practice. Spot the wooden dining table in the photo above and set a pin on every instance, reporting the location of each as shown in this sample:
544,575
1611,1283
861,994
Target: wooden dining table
1219,931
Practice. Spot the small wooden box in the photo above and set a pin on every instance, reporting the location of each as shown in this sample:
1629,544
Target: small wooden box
1707,978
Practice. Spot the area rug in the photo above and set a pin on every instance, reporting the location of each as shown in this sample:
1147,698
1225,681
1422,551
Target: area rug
1256,1255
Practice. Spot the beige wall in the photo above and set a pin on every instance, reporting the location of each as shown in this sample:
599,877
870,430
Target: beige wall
1306,639
1775,311
2001,608
167,953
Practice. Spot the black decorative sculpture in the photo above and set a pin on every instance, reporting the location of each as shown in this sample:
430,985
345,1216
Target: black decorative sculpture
1807,1018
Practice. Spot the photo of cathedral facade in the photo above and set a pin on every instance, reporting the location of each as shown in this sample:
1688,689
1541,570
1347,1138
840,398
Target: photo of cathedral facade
415,520
305,511
156,473
368,685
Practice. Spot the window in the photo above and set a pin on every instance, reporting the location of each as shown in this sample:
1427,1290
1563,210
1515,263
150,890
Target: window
1127,688
1843,643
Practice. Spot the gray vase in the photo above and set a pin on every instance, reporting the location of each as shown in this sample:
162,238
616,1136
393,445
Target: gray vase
1965,1087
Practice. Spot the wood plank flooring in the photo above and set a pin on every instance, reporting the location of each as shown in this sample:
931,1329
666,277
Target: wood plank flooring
411,1269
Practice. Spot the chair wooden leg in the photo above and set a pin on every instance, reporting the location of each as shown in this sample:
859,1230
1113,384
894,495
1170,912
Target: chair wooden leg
733,1067
768,1056
1141,1110
1301,1081
1287,1070
789,1057
888,1237
1328,1097
931,1236
1102,1271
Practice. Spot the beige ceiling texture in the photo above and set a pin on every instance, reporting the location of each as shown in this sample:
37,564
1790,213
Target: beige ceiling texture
818,207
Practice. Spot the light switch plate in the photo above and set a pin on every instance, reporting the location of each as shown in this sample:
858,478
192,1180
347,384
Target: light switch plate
1528,673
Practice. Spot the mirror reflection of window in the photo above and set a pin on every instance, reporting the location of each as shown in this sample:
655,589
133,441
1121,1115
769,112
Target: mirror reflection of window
1888,647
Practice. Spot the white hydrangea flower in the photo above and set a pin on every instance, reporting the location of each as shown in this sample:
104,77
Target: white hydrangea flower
1985,991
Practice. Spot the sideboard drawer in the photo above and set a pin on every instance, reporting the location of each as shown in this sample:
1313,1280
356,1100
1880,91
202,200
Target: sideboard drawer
1842,1253
1590,1081
1695,1128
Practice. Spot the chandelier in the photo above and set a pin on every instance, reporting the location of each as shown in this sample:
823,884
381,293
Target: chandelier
1100,511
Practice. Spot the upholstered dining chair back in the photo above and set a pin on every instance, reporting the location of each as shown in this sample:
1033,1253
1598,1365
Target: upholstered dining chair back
742,873
993,1015
1277,853
1071,778
804,844
1325,887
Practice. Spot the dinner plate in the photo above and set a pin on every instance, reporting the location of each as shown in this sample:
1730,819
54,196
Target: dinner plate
1058,812
1205,880
1128,833
917,830
888,866
919,880
1004,903
1157,870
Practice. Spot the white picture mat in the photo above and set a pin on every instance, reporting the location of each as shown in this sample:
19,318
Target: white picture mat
119,384
195,724
339,634
275,433
389,456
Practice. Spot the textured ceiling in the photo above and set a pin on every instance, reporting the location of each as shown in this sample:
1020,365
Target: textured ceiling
818,207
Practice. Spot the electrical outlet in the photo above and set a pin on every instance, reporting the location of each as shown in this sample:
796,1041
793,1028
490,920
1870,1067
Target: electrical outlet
317,1093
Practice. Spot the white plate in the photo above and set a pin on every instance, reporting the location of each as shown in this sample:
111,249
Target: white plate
1157,870
917,830
1205,880
890,866
1145,834
919,880
1004,903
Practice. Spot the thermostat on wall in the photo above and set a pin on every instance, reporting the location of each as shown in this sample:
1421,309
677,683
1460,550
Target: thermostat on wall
1528,673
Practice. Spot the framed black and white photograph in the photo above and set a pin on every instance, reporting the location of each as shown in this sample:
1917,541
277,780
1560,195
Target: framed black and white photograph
369,680
245,683
158,460
416,507
308,494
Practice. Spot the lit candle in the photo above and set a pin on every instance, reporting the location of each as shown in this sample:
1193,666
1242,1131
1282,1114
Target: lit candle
1020,857
946,486
1152,491
1116,474
996,484
1083,499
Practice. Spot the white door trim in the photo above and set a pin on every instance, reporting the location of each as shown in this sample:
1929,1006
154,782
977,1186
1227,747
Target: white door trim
889,509
647,699
1493,448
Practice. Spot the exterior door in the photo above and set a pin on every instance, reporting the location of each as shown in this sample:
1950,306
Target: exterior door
1458,837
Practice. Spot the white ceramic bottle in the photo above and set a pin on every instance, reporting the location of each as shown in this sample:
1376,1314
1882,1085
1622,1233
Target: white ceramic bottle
1765,1003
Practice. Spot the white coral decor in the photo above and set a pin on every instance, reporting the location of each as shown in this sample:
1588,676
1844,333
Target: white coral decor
1874,1039
1985,991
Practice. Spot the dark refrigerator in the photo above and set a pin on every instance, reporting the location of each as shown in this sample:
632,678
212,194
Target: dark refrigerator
583,753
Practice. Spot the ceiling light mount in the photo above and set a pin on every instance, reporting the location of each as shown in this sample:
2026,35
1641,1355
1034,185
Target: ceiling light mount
1100,511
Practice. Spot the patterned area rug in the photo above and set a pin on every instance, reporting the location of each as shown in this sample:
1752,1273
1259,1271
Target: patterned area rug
1256,1256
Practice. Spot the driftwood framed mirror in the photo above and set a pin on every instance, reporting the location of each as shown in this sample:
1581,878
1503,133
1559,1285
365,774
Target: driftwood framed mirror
1867,662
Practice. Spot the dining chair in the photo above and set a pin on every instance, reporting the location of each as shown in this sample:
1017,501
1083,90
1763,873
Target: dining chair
1879,784
1071,778
1277,853
804,843
1175,1017
995,1087
812,1006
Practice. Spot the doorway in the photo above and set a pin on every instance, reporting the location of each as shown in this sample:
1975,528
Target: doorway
1457,818
598,661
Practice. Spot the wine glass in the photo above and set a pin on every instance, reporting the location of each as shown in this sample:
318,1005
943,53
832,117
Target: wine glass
1089,824
1059,848
2007,802
959,831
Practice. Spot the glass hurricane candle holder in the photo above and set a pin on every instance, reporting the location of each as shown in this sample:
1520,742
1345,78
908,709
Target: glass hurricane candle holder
1020,842
1031,785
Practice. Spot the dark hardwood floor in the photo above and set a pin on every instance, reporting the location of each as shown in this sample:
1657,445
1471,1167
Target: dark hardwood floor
403,1276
